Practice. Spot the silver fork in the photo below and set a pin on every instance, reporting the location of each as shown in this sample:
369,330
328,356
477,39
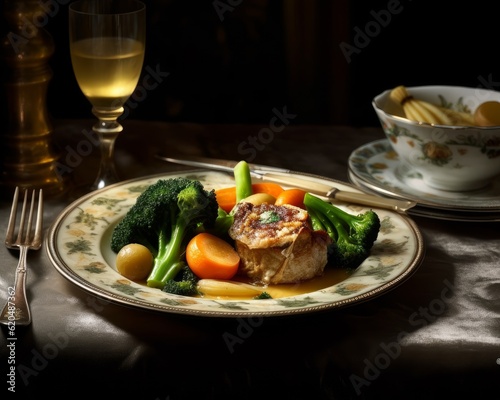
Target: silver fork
17,310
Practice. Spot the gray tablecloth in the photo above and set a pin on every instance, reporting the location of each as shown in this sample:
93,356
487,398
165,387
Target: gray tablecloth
435,336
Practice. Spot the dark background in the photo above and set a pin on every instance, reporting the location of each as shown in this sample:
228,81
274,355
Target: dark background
233,61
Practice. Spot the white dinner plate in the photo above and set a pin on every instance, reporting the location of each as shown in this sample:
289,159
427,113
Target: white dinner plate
376,166
79,247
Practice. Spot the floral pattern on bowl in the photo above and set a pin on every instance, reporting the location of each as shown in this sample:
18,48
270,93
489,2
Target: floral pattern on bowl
78,245
440,153
378,167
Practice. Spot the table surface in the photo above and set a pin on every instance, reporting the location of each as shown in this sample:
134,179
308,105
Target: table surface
435,335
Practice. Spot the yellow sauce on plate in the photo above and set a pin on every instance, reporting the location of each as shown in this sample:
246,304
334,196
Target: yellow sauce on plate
330,277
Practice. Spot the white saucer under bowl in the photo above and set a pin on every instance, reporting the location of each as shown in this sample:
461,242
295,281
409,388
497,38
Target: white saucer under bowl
435,213
375,166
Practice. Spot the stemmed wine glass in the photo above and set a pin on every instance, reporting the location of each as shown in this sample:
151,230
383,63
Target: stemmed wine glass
107,41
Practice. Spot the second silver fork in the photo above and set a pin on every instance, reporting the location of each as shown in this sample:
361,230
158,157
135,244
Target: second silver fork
17,310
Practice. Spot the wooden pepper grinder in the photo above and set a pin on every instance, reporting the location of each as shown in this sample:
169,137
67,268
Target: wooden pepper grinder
29,159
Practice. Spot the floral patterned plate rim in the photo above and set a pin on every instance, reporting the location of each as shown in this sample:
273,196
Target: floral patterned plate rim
378,167
434,213
78,246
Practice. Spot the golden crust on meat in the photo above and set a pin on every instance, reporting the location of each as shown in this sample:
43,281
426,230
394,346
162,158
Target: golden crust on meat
277,244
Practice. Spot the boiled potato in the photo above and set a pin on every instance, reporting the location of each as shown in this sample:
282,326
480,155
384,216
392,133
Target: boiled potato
260,198
134,261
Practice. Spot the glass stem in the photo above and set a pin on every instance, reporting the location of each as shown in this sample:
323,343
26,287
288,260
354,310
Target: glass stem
108,129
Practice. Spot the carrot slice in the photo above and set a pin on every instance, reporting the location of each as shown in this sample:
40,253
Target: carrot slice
226,197
294,197
267,187
211,257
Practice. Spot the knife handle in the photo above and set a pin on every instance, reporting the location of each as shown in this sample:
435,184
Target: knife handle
372,201
326,190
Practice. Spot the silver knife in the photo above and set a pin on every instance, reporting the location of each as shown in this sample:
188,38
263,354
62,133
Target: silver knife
286,177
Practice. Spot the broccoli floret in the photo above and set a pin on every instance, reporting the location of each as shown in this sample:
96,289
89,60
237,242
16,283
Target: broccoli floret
352,235
263,296
221,226
185,284
164,216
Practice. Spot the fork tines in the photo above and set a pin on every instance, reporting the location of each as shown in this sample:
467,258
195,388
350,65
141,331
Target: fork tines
25,235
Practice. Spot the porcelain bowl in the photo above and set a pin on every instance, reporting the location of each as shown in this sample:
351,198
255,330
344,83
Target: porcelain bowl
452,158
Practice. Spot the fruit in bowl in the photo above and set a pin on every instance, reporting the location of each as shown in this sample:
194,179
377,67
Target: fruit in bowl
448,134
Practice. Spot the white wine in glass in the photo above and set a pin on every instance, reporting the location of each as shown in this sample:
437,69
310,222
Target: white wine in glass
107,43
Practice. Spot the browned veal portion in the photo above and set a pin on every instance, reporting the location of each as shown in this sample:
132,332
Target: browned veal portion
277,243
